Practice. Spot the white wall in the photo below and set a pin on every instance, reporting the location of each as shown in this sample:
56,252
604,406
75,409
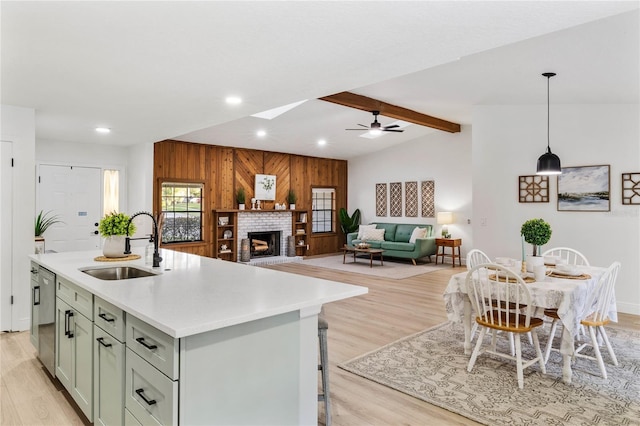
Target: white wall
140,187
442,157
507,140
18,126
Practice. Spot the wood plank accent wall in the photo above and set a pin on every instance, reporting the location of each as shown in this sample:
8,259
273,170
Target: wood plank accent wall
223,170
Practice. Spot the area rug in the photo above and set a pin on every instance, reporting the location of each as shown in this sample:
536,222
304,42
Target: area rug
394,269
431,366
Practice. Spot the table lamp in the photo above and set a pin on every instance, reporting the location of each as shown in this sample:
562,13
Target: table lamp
444,219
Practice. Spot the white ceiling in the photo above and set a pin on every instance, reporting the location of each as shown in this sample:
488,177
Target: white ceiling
161,70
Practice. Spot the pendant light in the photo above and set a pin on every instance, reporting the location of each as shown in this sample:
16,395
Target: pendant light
548,163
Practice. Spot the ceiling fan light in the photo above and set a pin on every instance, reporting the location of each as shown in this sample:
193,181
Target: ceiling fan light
375,132
549,164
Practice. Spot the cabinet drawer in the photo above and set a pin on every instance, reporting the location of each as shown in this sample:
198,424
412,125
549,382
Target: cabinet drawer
109,317
156,347
78,298
151,396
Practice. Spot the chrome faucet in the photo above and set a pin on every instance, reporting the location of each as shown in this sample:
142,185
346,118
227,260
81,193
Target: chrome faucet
127,241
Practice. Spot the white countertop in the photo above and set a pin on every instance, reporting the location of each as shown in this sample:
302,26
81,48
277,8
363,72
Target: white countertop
194,294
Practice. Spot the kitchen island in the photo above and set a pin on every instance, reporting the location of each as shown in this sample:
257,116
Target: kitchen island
241,341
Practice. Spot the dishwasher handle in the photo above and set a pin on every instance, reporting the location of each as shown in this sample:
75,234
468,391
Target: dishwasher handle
36,302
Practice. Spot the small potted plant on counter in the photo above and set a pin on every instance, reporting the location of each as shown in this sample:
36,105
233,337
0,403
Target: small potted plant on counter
240,198
291,199
114,228
42,223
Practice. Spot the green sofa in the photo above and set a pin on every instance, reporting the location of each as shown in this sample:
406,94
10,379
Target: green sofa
396,241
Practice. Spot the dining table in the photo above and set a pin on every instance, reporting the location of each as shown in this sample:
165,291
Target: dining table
569,294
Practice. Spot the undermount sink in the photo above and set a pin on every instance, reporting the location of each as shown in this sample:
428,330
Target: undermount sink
117,273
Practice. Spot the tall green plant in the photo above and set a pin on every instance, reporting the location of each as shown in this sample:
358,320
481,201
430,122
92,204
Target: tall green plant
44,221
349,223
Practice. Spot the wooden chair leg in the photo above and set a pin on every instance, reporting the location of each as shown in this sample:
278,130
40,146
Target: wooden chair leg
519,363
596,349
609,347
476,350
536,344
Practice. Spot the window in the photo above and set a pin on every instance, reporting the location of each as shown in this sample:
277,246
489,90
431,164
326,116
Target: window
324,210
182,209
111,191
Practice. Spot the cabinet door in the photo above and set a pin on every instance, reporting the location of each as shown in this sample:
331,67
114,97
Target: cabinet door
108,379
64,344
83,364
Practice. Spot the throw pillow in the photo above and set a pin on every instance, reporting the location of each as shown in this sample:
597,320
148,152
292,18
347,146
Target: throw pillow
417,233
373,235
362,228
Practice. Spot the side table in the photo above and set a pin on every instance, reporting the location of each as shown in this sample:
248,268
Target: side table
442,243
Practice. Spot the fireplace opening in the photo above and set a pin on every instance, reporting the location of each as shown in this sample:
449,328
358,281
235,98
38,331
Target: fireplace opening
265,243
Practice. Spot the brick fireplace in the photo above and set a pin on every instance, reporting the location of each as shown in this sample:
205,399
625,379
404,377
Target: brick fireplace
263,222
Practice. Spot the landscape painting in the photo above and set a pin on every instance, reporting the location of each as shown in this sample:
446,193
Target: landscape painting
584,188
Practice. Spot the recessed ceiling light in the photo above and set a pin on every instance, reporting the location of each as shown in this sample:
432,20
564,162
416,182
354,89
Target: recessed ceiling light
103,130
261,133
322,142
233,100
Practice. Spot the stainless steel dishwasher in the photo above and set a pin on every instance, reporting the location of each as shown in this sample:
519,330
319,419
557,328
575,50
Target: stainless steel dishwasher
44,315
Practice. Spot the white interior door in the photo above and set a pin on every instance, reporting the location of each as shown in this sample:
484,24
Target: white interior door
75,194
6,237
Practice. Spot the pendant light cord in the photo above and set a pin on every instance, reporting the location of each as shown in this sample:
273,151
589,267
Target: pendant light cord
548,115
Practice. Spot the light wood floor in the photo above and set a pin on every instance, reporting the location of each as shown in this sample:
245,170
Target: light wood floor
392,309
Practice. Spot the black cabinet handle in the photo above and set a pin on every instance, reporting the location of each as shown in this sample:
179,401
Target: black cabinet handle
143,343
101,341
140,392
67,324
36,303
104,317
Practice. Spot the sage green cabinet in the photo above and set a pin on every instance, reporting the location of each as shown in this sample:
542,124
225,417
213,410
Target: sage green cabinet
108,378
108,363
74,355
74,343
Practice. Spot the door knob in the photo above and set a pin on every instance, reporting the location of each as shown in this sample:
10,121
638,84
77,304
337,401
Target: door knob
95,232
96,224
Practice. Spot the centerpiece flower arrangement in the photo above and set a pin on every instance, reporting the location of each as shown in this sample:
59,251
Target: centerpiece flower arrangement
536,232
113,227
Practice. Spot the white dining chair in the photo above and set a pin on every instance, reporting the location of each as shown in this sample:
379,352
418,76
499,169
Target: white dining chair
502,302
571,256
594,321
476,257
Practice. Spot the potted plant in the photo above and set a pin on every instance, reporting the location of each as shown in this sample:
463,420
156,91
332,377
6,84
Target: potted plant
113,227
240,198
536,232
42,223
291,199
349,223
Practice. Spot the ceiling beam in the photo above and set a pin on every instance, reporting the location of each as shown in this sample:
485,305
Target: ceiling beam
364,103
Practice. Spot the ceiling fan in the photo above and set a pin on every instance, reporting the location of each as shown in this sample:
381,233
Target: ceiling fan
377,127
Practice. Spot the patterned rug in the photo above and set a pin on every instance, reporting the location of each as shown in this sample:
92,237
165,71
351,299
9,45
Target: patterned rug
396,269
431,366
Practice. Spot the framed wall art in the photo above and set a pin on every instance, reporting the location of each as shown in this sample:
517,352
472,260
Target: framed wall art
395,190
265,188
631,188
427,193
533,189
381,199
584,188
411,199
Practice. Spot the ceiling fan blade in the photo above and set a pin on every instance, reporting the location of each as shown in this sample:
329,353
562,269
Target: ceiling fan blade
366,127
393,126
360,130
392,130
